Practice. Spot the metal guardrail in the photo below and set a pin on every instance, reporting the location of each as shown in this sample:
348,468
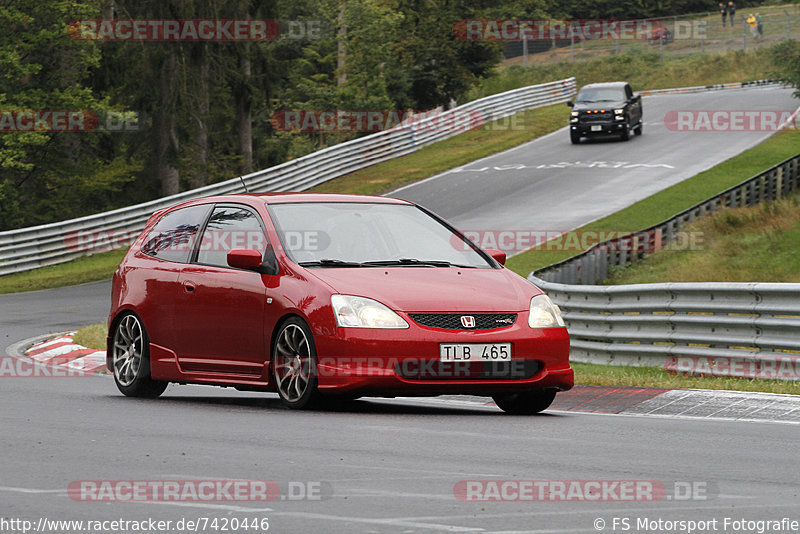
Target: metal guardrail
593,265
30,248
726,329
716,87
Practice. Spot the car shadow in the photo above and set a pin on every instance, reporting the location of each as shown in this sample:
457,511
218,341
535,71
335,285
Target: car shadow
599,139
367,405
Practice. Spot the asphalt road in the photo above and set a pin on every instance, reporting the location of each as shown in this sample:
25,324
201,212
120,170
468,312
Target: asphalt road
549,184
391,465
381,466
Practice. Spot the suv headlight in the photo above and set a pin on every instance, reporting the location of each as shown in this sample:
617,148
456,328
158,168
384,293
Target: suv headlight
361,312
544,314
573,114
619,111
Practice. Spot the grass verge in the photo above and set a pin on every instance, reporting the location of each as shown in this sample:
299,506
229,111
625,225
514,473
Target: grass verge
674,199
641,70
655,377
94,337
79,271
748,244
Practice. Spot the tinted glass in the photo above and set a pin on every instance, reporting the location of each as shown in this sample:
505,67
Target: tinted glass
597,94
227,229
365,232
173,237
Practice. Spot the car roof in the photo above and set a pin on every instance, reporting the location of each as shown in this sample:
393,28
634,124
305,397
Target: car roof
605,84
285,198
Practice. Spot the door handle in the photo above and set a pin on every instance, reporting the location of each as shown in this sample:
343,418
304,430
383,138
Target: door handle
188,287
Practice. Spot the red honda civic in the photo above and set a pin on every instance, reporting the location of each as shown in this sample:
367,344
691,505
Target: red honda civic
317,296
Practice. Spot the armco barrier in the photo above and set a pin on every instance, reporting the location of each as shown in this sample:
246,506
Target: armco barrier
716,87
30,248
725,329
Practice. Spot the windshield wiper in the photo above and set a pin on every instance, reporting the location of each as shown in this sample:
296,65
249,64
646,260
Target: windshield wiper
412,261
327,262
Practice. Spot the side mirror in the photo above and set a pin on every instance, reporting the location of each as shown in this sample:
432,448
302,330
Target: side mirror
570,103
498,255
245,258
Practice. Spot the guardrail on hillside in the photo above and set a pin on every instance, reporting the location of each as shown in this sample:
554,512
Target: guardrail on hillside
725,329
593,265
30,248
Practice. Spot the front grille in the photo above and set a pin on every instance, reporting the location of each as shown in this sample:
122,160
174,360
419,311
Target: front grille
452,321
434,370
596,117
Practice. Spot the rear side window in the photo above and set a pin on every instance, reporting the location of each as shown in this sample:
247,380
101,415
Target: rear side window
173,237
228,228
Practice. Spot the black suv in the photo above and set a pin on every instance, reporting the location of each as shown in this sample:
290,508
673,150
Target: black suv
605,109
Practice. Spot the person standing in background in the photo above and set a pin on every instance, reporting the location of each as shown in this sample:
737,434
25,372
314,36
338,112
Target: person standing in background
731,11
724,11
760,25
751,20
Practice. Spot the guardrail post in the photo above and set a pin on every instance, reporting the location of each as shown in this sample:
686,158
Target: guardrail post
788,24
702,26
744,34
602,267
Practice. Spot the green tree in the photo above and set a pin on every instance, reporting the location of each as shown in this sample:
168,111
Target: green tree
51,174
786,55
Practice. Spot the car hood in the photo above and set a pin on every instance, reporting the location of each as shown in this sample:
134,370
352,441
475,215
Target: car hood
434,289
599,105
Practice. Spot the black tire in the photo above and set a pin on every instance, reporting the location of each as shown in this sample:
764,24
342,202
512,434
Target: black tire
575,137
626,134
638,129
294,365
527,403
130,359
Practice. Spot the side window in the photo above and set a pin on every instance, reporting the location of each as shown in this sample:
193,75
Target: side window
173,237
229,228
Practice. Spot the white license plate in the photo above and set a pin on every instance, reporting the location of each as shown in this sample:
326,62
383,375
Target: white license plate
597,128
475,352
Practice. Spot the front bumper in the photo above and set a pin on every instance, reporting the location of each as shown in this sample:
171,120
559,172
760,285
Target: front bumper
406,362
598,128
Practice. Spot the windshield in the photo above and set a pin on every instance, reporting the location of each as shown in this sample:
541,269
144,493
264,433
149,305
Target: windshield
355,234
589,95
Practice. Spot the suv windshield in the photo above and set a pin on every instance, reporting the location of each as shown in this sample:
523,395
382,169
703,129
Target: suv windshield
359,234
589,95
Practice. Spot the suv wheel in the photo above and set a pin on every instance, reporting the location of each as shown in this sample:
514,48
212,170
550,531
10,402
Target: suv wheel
626,133
575,137
638,129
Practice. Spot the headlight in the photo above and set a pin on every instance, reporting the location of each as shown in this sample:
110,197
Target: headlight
361,312
544,314
619,111
573,114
